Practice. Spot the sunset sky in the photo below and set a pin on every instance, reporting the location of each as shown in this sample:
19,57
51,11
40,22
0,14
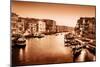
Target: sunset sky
61,13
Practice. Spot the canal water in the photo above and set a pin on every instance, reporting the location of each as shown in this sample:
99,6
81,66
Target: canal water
46,50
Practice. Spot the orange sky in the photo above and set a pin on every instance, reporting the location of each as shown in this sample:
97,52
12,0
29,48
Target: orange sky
61,13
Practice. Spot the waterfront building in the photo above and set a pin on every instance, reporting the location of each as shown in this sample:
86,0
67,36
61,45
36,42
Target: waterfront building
86,26
41,26
14,20
50,25
21,25
32,25
35,26
60,28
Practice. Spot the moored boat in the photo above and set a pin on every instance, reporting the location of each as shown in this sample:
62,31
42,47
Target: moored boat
21,42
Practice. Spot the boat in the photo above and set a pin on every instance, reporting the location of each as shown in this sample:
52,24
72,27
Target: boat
39,36
68,37
21,42
33,35
14,38
29,36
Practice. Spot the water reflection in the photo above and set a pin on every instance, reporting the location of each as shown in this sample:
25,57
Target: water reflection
49,49
21,54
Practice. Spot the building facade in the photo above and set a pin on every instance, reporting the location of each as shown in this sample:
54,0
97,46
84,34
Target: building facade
41,26
14,20
60,28
21,25
86,26
35,26
32,25
50,25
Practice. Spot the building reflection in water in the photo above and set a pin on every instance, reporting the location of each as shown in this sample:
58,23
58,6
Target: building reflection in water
22,56
49,49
